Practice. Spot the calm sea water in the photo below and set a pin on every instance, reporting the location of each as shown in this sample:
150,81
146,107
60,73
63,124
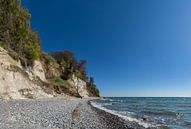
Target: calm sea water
163,113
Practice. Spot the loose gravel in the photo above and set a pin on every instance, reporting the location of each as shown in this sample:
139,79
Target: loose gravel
55,114
48,114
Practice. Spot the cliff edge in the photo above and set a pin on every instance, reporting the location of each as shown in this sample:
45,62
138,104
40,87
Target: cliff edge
18,83
26,71
15,82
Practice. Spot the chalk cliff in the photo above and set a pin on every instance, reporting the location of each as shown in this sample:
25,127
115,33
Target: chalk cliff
17,82
26,71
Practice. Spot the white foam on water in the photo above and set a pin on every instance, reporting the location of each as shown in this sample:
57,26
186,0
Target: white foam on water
144,124
103,99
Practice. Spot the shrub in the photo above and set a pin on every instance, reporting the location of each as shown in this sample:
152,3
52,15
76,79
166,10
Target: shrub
91,88
67,60
15,32
32,48
57,81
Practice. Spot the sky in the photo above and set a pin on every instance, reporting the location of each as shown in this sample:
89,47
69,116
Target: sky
134,48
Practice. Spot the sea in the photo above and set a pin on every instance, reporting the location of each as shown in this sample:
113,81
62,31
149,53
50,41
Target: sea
154,112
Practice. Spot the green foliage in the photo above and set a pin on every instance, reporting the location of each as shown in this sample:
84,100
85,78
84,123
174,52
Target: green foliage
32,47
23,44
92,89
66,56
65,64
57,81
47,59
91,82
80,74
51,67
70,66
67,60
15,32
61,86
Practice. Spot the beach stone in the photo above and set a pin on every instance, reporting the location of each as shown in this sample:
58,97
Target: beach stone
56,113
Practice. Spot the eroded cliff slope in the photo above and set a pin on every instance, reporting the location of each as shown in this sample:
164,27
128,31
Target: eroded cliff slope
26,71
15,82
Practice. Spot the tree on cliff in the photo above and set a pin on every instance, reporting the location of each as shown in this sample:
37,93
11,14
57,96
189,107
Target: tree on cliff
91,87
71,66
67,60
23,44
15,33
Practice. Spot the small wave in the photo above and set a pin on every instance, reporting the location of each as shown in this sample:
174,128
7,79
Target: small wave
106,104
99,106
111,100
165,113
103,99
188,123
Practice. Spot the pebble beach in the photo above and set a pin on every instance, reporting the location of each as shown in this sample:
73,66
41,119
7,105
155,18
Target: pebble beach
58,114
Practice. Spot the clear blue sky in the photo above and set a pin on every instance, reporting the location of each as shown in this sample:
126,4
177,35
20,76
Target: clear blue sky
133,47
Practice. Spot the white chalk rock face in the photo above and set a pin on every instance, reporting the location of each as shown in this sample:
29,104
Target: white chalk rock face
80,86
38,70
6,60
15,82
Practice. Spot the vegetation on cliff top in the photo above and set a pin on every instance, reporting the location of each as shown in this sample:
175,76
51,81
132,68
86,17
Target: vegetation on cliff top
23,44
68,62
15,33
